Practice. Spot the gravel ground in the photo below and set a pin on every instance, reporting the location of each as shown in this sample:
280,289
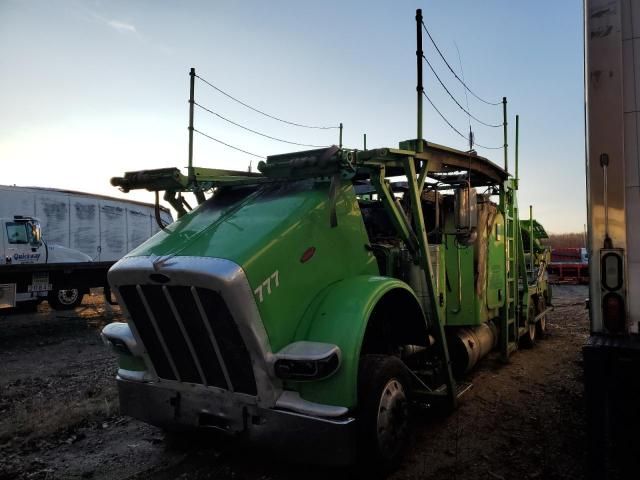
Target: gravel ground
59,412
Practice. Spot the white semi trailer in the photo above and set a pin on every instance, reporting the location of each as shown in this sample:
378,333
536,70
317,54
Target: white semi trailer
56,244
612,353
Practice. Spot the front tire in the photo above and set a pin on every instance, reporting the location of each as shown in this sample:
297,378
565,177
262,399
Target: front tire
65,299
384,398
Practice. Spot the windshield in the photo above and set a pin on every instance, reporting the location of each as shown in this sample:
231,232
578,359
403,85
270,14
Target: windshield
23,233
17,233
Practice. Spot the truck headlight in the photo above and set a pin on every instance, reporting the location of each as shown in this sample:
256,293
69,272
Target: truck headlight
307,361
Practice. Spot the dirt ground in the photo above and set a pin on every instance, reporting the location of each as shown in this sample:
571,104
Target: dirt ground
59,412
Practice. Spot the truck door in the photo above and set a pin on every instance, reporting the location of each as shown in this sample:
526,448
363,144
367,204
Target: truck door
22,242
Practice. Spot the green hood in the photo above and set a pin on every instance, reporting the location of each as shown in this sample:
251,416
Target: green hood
269,231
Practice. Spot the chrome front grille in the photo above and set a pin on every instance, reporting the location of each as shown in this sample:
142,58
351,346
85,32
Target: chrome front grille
190,336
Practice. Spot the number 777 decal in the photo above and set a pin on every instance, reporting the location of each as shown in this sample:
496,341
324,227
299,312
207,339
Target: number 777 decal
268,286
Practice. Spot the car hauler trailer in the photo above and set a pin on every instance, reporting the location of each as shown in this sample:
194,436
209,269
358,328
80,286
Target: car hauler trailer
288,309
56,244
309,305
612,353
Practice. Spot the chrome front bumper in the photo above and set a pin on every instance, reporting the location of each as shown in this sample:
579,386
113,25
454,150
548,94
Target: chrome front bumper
300,437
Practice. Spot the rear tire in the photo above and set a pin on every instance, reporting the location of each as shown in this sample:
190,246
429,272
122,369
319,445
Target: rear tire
384,397
65,299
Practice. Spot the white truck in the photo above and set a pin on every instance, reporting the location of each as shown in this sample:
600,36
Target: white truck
83,236
612,352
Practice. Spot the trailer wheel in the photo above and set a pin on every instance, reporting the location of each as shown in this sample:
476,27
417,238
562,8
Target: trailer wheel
383,394
65,299
528,340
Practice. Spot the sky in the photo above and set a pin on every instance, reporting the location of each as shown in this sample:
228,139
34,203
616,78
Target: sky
91,89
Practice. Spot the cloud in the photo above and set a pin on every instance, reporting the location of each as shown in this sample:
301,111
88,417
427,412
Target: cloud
122,26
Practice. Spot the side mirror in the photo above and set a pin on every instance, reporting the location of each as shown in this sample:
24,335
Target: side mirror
36,234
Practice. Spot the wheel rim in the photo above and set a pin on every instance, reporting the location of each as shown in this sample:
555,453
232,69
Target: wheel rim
393,418
543,323
532,325
543,319
532,331
67,297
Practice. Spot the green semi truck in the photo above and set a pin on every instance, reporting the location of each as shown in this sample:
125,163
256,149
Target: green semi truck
311,305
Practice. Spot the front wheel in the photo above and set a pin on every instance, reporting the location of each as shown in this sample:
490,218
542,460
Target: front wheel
65,299
383,394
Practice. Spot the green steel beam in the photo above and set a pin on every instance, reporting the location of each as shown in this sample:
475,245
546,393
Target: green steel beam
425,262
397,216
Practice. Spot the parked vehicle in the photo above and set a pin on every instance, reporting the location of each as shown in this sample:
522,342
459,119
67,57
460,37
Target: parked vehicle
612,353
310,305
569,265
82,233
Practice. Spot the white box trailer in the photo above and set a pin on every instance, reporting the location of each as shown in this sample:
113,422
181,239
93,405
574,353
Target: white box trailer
612,352
104,228
82,235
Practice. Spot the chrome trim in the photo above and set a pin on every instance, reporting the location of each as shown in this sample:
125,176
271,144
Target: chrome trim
229,280
212,337
133,375
122,331
178,318
306,438
153,321
292,401
313,351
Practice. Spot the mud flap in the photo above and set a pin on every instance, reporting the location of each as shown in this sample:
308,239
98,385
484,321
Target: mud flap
612,390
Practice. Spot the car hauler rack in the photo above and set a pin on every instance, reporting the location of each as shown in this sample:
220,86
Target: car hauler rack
309,305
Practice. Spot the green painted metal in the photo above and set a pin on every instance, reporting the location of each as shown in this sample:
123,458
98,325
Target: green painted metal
474,299
538,230
496,262
306,200
339,315
255,233
531,255
131,363
462,305
509,333
396,215
424,260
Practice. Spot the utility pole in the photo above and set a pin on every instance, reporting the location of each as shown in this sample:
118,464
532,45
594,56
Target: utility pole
419,87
